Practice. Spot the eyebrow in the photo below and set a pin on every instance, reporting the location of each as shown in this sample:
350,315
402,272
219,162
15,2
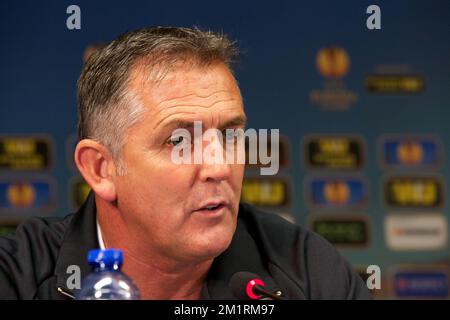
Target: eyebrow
183,124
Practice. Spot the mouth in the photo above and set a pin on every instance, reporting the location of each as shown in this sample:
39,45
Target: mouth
212,208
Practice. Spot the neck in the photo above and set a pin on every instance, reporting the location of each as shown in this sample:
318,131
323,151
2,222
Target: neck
157,276
182,283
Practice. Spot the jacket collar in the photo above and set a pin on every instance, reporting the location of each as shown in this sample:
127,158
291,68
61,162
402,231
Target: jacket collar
243,254
80,237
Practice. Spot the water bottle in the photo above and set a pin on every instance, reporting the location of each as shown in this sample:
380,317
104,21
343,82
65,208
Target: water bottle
107,282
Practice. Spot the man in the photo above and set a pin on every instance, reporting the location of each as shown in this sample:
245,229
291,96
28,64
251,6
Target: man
180,226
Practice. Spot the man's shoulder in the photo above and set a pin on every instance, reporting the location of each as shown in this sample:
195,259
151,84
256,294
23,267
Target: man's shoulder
27,257
302,257
51,229
278,232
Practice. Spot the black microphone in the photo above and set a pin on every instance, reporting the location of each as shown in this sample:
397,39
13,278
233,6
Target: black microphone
248,286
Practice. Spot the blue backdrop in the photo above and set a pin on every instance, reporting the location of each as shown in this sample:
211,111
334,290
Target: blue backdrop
41,60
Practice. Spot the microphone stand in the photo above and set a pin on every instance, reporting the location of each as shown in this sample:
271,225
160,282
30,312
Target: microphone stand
257,289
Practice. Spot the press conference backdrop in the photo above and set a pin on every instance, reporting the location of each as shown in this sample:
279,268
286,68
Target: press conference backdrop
364,118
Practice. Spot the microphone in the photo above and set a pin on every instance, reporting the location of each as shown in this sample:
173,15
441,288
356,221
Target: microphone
248,286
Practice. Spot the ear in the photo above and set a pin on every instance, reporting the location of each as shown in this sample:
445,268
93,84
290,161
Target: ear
97,167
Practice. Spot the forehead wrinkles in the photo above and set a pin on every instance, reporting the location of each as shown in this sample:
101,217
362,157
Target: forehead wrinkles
194,101
196,87
187,91
196,110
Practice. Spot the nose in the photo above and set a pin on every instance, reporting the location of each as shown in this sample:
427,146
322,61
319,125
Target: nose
214,166
214,172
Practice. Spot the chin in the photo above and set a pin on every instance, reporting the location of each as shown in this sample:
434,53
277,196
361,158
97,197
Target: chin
211,247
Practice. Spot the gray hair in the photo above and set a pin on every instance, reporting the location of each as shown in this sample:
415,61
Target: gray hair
106,108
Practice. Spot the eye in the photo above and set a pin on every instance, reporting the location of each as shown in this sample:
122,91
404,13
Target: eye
179,136
175,140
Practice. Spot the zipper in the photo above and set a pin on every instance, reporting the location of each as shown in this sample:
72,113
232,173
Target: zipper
61,290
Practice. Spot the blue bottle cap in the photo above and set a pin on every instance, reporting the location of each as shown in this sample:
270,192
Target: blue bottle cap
105,258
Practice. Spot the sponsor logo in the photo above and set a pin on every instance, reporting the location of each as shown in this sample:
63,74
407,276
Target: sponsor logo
336,192
395,83
396,78
27,194
343,231
25,153
266,191
334,152
333,63
421,282
410,152
409,192
426,231
78,192
283,153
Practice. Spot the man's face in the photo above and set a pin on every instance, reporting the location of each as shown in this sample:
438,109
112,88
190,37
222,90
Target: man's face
163,202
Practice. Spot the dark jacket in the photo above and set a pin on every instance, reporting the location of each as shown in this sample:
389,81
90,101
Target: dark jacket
300,263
